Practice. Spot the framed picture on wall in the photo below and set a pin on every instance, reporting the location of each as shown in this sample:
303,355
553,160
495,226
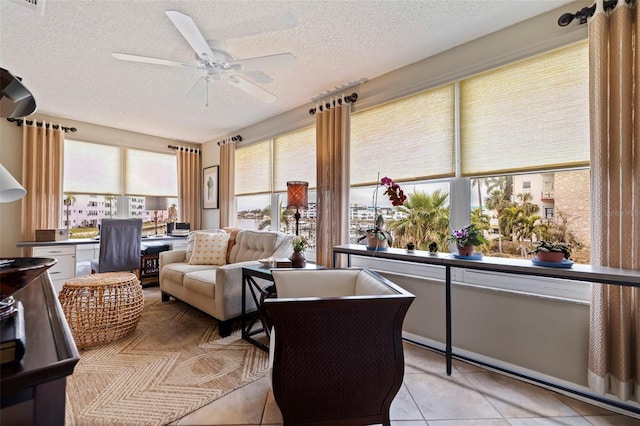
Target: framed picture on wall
210,187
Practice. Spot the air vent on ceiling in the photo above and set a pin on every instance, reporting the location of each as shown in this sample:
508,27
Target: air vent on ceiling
35,5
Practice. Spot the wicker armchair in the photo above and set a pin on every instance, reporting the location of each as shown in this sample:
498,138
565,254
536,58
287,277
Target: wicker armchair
336,345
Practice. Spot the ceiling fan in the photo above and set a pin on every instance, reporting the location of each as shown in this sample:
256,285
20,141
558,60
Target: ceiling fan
213,58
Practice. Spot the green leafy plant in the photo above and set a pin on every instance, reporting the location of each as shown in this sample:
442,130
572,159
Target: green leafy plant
467,235
546,247
299,243
433,247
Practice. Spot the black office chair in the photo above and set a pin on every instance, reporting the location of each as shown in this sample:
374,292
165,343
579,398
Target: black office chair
120,242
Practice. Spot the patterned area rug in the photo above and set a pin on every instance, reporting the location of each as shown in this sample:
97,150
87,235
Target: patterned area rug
174,363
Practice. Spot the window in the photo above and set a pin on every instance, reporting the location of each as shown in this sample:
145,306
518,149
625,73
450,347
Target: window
108,181
262,172
532,115
524,143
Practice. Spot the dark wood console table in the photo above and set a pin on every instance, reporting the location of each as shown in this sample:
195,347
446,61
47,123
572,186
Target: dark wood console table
578,272
33,391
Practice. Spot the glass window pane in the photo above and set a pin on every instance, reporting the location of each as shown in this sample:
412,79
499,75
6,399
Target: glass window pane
84,212
555,208
254,212
424,217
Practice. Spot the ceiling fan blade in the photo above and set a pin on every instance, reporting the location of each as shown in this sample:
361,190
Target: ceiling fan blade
148,60
280,60
252,89
191,33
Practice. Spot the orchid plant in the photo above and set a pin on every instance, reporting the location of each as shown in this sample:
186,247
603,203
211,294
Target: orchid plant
396,196
467,235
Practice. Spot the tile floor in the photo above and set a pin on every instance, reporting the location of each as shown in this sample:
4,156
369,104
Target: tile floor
469,397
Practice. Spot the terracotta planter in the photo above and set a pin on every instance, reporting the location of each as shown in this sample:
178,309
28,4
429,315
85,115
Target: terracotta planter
373,243
467,250
298,260
550,256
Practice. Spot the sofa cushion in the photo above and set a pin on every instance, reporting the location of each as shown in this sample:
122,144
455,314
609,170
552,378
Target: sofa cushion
254,245
201,282
210,249
191,240
233,232
175,272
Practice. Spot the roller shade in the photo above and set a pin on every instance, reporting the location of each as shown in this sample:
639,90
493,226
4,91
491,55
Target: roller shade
529,116
253,168
295,158
150,173
91,168
408,139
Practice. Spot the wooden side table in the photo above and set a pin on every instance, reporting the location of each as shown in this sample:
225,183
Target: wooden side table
250,327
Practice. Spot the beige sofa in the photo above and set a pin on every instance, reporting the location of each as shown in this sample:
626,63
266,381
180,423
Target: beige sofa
217,289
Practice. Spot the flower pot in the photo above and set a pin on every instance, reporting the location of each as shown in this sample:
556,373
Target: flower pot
467,250
550,256
298,260
373,243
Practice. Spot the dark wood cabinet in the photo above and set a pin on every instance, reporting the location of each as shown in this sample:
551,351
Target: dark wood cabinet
33,391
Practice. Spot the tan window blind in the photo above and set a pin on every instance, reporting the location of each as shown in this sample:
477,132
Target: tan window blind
408,139
528,116
150,173
91,168
295,158
253,168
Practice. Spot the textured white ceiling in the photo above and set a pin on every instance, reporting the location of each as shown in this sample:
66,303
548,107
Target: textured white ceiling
64,55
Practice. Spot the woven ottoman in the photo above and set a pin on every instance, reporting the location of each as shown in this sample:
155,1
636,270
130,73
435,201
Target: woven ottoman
102,307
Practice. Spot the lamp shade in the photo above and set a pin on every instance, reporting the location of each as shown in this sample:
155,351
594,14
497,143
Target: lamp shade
297,194
155,203
10,189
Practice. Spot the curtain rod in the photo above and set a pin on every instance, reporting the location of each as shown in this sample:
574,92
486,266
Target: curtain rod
19,121
183,148
236,138
352,98
586,12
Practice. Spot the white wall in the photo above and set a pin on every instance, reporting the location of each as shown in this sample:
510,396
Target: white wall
211,157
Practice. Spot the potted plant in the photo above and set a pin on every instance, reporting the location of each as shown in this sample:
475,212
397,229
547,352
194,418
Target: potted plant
466,239
411,248
551,252
377,238
299,244
433,247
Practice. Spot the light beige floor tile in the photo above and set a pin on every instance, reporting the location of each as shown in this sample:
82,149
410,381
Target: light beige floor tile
583,408
404,407
441,397
613,420
514,398
272,414
244,406
550,421
421,360
470,422
408,423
